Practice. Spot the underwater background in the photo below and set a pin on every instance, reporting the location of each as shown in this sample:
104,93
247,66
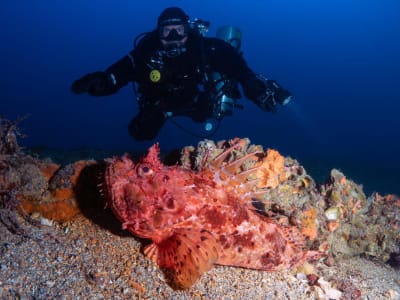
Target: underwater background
340,59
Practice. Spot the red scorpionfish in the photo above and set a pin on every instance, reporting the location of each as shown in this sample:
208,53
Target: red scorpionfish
198,219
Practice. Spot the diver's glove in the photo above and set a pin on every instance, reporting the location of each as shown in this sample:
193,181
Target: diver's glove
272,94
96,84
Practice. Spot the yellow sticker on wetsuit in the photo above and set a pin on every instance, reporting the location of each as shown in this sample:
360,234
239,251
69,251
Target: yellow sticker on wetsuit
155,76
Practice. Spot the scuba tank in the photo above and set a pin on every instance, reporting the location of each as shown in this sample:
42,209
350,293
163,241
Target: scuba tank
231,35
225,102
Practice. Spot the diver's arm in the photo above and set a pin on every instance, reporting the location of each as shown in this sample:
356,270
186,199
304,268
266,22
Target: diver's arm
130,67
225,59
123,71
108,82
263,92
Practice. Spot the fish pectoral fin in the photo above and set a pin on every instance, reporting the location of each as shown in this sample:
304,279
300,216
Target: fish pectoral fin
185,256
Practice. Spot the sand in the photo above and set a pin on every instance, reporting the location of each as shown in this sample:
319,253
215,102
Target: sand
94,259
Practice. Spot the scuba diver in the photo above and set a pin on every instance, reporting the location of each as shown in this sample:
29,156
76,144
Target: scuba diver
177,71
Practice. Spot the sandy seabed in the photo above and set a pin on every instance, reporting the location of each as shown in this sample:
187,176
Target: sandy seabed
83,259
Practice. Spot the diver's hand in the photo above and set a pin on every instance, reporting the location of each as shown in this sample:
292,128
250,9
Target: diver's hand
266,101
281,95
266,93
95,84
256,90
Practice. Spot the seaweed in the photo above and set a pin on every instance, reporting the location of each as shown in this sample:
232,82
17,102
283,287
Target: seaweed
11,155
9,134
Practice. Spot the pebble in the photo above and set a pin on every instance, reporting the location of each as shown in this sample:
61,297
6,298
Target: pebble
46,222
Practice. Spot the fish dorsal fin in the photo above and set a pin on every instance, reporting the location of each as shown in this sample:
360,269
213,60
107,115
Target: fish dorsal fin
152,157
185,256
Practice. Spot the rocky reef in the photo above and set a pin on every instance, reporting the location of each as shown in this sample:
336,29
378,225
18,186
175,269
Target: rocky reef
39,187
336,217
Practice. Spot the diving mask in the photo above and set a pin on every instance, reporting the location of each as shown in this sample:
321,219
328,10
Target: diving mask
173,33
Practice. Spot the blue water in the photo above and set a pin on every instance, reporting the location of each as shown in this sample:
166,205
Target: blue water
340,59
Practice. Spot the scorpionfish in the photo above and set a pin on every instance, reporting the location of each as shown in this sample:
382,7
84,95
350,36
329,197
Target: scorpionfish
196,219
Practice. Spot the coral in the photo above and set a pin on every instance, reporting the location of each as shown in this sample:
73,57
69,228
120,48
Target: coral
368,226
58,201
309,224
30,185
271,172
48,169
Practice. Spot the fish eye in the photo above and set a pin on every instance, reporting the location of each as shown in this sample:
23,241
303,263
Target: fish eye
144,171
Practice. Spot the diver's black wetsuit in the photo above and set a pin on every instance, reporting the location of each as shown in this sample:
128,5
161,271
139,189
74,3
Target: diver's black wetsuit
176,87
177,71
